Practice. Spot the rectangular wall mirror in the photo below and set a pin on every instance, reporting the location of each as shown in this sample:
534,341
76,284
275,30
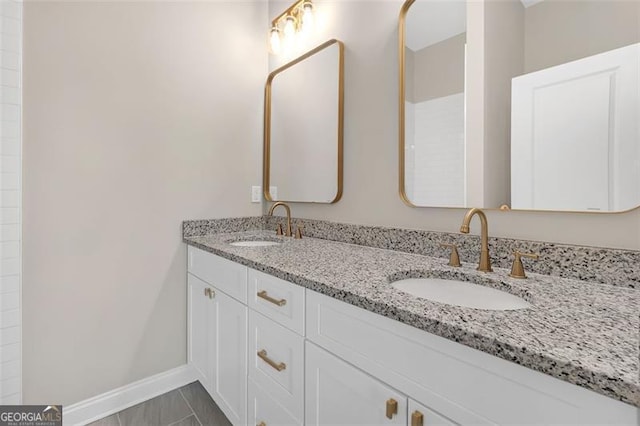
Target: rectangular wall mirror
559,104
303,127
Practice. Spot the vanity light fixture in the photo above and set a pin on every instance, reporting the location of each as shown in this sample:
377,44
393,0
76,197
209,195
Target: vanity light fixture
296,19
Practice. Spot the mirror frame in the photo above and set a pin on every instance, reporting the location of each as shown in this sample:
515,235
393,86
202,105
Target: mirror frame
402,23
401,135
266,156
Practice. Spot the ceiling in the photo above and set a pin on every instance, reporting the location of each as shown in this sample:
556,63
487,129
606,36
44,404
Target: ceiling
430,22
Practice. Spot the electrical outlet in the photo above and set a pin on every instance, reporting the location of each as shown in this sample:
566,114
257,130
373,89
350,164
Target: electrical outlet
256,194
273,190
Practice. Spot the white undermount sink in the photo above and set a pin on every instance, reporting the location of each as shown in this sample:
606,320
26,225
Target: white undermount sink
461,293
254,243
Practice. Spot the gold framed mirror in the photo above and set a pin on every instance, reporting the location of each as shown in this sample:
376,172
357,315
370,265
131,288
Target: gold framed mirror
303,127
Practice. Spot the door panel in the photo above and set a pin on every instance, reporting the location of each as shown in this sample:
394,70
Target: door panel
339,394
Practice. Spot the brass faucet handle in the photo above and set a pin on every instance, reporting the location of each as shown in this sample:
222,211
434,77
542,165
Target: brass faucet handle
454,258
517,269
299,229
279,229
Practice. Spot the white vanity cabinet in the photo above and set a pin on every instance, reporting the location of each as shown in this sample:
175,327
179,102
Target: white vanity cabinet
453,383
274,353
217,342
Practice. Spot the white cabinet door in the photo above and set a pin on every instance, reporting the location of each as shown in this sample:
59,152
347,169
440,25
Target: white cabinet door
339,394
228,349
419,415
199,320
264,410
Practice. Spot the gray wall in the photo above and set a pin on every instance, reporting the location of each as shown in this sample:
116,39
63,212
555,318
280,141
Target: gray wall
561,31
371,145
137,115
438,70
503,60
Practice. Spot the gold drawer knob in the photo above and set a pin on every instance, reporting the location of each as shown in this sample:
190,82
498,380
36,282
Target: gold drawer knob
392,408
209,293
417,418
276,365
261,424
263,295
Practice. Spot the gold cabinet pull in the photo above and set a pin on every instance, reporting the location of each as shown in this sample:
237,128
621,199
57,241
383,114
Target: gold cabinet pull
261,424
278,366
392,408
209,293
263,295
417,418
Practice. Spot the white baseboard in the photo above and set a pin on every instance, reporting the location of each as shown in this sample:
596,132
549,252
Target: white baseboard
100,406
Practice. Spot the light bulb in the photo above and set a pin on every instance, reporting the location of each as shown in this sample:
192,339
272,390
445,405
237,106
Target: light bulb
274,40
289,27
307,16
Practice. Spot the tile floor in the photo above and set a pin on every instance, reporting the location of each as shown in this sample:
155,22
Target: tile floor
189,405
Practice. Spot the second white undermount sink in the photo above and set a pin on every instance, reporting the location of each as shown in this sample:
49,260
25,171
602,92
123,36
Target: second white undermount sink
461,293
254,243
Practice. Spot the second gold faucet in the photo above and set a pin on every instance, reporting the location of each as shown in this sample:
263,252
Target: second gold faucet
485,259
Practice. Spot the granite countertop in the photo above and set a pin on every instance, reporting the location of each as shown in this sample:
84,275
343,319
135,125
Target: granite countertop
581,332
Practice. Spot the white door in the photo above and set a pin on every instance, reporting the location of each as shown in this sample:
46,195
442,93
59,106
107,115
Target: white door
199,329
228,349
575,132
420,415
339,394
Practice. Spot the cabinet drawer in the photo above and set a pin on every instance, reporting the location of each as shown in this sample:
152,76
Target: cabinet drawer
277,299
419,415
224,274
265,411
276,362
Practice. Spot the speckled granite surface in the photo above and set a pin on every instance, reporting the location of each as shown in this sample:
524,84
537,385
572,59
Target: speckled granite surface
602,265
584,333
192,228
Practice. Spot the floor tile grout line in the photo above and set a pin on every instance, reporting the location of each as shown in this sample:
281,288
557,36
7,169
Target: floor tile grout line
182,419
190,407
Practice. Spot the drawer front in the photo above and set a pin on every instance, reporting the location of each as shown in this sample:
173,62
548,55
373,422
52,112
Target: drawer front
277,299
419,415
460,383
276,362
228,276
265,411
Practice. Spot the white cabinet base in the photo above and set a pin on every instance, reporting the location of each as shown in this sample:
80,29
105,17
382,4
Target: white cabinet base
339,394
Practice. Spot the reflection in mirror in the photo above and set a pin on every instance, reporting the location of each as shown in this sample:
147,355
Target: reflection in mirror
303,128
434,103
559,110
575,140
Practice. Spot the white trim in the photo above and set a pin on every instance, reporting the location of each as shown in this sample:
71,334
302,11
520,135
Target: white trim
111,402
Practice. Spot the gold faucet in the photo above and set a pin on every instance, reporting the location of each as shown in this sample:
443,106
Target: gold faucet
485,259
286,207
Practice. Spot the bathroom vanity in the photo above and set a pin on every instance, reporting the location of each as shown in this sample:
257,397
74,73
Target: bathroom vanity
311,331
